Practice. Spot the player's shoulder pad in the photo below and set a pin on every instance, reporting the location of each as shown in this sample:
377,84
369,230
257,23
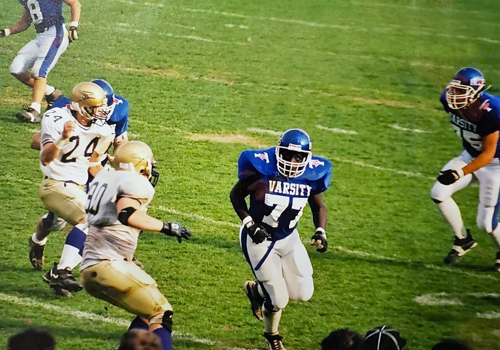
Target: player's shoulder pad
61,102
254,162
491,104
318,168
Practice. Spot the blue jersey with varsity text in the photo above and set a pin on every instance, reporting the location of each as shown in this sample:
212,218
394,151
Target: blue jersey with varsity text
472,133
44,13
278,201
119,116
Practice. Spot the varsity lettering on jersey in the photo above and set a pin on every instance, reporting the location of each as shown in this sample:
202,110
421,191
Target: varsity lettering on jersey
44,13
118,116
275,200
473,133
72,162
108,238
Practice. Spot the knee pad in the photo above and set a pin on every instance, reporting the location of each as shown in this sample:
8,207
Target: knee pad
166,321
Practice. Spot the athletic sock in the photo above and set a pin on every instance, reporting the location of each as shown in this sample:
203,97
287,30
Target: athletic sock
49,89
73,248
451,212
36,106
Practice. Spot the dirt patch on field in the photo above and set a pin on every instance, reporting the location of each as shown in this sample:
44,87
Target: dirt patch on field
246,140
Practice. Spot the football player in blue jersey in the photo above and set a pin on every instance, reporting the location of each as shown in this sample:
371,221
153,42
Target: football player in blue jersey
37,58
116,113
280,181
475,117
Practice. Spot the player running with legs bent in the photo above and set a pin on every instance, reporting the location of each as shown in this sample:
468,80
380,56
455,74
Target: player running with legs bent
37,58
116,212
70,140
280,181
475,117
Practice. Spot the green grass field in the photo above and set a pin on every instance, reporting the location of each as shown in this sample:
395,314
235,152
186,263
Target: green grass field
208,79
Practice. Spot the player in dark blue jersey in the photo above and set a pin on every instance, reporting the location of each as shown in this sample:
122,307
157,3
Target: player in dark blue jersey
115,114
280,181
37,58
475,117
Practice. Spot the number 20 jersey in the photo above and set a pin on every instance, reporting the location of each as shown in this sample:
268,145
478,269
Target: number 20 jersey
472,133
72,162
277,201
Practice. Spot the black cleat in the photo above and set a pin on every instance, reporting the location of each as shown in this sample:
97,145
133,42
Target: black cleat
460,248
53,97
273,342
256,300
28,115
36,255
62,280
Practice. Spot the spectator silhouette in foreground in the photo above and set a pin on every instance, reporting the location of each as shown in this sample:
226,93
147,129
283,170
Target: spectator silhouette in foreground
343,339
140,339
384,338
32,339
450,344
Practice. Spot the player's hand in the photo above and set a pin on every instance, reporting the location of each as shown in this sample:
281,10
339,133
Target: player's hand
2,33
175,229
68,129
448,177
73,33
319,241
257,232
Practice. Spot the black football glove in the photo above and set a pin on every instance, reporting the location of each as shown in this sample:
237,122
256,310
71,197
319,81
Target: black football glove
175,229
257,232
319,241
2,33
73,33
448,177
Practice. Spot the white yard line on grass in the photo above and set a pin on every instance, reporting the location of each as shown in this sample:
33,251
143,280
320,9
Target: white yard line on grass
33,303
400,128
336,130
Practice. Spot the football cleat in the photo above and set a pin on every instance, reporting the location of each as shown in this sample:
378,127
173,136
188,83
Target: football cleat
51,98
460,248
36,255
496,267
273,342
61,280
256,300
28,115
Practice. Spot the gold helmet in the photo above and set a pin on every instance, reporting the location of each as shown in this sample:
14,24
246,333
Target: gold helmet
88,99
134,156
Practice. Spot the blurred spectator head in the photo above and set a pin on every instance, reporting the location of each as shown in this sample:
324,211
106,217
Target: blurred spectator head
343,339
384,338
32,339
450,344
140,339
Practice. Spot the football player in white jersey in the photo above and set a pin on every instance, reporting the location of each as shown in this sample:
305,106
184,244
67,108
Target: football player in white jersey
37,58
116,212
70,137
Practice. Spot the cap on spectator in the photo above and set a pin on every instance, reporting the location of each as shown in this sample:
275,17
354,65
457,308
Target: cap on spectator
384,338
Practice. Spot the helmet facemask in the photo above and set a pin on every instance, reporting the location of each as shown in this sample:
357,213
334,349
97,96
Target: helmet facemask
292,160
460,96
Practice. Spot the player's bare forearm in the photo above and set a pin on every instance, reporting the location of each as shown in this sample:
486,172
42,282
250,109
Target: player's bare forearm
49,153
139,219
318,210
76,9
23,24
489,149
